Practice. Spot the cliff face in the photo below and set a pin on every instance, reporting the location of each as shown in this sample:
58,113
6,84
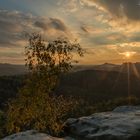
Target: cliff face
123,123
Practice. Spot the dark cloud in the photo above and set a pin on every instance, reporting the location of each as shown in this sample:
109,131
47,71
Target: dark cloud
135,37
14,24
119,8
83,28
13,27
51,23
41,25
58,24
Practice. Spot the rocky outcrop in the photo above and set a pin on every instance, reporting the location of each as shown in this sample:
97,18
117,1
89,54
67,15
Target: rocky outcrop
30,135
121,124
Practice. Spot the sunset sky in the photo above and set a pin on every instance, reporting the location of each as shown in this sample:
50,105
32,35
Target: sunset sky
109,30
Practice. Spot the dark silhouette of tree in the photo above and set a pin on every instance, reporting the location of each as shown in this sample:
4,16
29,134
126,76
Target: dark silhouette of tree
35,107
48,62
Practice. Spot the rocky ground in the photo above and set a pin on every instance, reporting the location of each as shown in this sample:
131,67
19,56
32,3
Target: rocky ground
123,123
31,135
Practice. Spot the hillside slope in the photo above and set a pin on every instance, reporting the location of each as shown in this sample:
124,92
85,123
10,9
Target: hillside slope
9,69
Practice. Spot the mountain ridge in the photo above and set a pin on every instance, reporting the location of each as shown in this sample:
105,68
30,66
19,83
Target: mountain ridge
16,69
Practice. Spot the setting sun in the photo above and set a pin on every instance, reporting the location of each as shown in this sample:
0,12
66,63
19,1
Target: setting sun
127,54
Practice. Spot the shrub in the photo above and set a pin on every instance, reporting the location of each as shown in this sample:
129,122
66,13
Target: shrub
40,112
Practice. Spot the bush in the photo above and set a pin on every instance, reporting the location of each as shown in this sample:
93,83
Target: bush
40,112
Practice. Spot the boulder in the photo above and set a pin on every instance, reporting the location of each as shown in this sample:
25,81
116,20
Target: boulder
31,135
123,123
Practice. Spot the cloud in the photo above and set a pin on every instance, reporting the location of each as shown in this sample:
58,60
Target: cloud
92,30
14,25
120,8
135,36
47,24
58,24
100,38
69,5
107,27
128,54
122,15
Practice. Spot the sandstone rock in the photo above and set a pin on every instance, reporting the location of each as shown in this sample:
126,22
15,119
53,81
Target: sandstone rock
31,135
121,124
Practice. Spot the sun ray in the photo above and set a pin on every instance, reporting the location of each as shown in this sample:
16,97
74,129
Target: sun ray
135,71
128,83
118,76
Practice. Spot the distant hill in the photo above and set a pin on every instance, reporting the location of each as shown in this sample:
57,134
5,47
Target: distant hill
92,83
10,69
123,68
105,66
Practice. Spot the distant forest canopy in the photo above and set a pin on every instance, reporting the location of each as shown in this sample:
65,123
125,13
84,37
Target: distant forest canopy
93,85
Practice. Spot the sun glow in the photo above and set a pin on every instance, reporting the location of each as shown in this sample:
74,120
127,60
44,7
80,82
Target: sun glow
127,54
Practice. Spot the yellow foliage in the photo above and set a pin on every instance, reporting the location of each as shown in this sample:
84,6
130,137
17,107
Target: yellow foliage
40,112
